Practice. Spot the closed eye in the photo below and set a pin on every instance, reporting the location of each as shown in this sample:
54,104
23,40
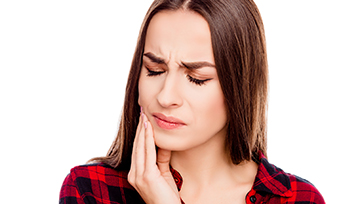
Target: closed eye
153,73
197,81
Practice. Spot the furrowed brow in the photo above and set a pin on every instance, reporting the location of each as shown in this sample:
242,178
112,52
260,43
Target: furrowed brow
196,65
154,58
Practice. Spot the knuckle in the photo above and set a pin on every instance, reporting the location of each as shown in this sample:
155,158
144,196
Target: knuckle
131,178
148,177
140,183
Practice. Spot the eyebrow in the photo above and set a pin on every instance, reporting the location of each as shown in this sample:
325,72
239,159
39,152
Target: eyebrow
188,65
154,58
196,65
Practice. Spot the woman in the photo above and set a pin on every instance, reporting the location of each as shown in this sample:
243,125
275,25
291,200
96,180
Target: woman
193,129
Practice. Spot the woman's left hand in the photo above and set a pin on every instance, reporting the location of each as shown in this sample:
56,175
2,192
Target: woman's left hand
150,172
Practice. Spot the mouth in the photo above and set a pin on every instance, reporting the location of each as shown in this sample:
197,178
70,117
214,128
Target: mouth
167,122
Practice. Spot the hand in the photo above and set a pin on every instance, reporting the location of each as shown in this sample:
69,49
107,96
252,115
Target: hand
150,173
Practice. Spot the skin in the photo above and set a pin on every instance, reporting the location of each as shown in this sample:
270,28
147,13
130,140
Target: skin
175,42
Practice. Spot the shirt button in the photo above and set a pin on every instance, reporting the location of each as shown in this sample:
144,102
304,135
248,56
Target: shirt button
253,199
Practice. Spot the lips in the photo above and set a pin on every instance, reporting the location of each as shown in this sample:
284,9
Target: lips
167,122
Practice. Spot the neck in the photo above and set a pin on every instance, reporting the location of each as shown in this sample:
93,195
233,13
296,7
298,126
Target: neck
198,164
210,164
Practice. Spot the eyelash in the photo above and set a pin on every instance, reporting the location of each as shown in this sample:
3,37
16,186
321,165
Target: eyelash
190,78
197,81
153,73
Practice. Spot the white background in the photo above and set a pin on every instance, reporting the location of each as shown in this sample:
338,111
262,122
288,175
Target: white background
64,65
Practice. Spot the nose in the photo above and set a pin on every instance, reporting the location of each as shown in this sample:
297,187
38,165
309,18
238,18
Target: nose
170,96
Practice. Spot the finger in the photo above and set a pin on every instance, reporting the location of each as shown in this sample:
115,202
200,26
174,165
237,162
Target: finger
132,172
136,138
138,149
163,160
150,149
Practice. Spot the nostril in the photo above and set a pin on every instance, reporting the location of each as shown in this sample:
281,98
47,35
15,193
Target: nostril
169,98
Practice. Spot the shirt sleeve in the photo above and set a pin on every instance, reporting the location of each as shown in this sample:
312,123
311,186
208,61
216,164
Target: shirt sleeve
69,193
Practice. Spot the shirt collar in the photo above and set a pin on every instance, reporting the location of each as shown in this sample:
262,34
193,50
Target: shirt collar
269,179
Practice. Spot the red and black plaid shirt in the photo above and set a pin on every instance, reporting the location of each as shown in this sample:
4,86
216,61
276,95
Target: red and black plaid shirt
99,183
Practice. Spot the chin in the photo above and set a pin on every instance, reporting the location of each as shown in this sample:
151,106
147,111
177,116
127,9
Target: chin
172,143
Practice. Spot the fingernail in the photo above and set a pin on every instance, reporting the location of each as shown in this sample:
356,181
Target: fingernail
141,109
145,124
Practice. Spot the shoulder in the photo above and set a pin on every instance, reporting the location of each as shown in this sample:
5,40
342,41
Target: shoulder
99,183
100,172
303,190
286,187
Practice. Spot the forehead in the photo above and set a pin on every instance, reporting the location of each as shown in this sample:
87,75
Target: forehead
184,35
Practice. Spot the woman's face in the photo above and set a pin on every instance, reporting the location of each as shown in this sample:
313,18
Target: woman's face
179,88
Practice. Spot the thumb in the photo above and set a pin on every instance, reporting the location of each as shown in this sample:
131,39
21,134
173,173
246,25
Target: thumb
163,160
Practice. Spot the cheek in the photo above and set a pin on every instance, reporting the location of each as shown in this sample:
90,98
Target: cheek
146,91
211,106
141,90
216,111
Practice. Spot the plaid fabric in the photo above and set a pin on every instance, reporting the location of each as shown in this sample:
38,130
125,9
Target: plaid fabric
99,183
272,185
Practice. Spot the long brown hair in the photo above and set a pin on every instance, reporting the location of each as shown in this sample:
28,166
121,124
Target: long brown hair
238,42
